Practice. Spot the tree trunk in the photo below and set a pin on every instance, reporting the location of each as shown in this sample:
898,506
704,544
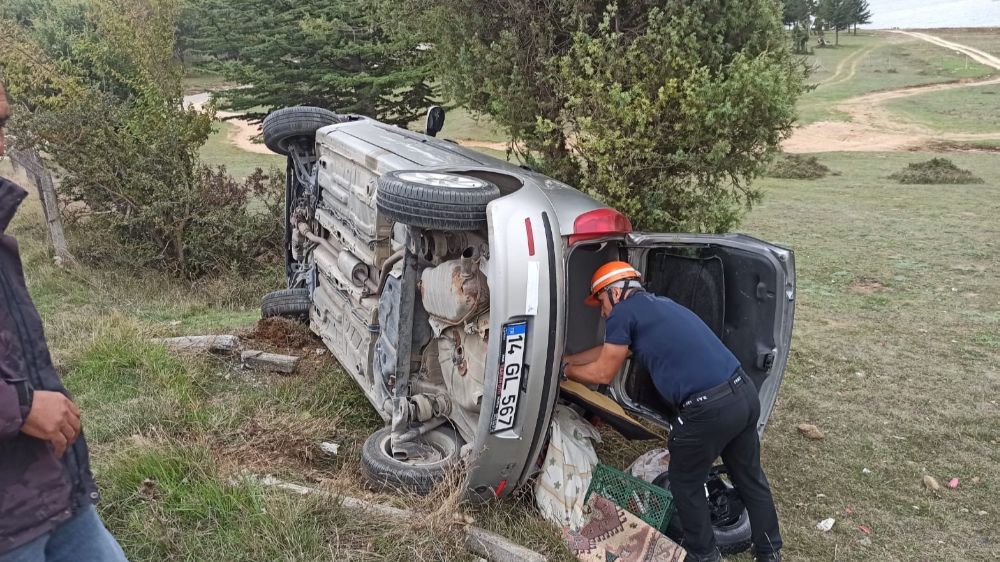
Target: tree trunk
836,37
39,175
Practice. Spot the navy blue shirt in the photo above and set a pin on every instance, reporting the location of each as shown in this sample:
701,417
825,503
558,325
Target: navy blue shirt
681,353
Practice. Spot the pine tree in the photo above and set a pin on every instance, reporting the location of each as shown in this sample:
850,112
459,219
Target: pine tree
835,14
336,54
860,13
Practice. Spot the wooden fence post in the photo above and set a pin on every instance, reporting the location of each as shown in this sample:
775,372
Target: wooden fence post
39,175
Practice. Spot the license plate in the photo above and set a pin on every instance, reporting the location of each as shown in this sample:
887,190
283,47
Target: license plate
509,379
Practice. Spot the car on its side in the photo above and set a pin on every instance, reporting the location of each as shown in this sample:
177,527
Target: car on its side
449,285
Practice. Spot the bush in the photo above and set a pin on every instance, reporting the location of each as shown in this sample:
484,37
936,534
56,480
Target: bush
798,167
98,91
666,110
934,171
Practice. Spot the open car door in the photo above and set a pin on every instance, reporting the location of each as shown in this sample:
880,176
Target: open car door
744,290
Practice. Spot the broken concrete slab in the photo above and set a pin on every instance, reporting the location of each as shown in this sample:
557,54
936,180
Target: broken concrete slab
213,343
261,360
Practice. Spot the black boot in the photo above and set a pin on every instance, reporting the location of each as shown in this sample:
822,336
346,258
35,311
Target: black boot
713,556
770,557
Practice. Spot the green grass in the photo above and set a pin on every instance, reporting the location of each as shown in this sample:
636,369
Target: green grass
198,80
220,151
892,357
880,61
462,124
967,110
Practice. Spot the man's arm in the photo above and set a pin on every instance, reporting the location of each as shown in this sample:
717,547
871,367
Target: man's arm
585,356
602,370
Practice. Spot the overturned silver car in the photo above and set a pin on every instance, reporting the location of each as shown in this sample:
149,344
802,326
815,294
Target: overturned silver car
449,284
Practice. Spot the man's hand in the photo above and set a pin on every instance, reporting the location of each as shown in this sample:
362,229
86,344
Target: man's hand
604,369
53,418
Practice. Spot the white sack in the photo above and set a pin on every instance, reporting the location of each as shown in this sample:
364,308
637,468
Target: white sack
567,469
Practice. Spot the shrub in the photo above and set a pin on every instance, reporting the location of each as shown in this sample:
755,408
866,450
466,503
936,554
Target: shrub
934,171
666,110
98,91
798,167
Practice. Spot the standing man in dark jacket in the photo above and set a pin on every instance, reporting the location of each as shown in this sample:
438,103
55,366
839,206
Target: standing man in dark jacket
47,493
692,369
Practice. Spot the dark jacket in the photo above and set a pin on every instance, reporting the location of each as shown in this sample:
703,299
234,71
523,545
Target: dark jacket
37,490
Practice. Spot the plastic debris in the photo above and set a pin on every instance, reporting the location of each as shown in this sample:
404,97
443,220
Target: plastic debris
866,471
810,431
650,464
981,512
953,483
826,524
975,480
329,448
865,541
864,529
931,483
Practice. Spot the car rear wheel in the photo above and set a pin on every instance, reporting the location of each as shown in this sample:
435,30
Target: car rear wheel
285,127
384,472
730,520
287,303
435,200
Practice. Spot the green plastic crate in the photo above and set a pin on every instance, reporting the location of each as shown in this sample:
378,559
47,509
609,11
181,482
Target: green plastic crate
652,504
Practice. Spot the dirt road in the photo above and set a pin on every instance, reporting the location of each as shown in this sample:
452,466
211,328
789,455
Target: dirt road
874,128
243,133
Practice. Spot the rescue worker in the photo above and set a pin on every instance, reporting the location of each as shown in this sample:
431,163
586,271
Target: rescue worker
47,493
717,403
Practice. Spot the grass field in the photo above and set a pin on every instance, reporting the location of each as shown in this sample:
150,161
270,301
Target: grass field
895,356
968,110
873,61
220,151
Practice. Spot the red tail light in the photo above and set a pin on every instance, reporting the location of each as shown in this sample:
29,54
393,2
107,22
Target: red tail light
599,223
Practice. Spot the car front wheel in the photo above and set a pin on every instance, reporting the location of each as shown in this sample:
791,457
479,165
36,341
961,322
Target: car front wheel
384,472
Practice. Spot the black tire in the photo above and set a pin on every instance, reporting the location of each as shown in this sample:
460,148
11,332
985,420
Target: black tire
287,303
435,200
385,473
732,530
286,126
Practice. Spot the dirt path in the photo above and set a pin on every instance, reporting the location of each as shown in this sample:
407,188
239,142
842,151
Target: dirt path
852,60
243,132
872,128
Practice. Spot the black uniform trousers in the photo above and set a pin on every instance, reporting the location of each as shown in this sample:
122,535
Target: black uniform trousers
724,426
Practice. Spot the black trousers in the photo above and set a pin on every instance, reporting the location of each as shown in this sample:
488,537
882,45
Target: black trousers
726,427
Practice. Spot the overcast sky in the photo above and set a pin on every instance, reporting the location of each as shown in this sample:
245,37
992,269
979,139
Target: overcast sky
934,13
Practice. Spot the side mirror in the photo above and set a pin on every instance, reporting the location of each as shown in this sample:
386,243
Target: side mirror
435,120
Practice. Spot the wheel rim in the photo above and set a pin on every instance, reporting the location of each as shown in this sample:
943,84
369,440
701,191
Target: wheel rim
436,452
442,180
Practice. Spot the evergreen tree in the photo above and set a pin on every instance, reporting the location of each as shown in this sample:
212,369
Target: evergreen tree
860,13
836,15
664,109
336,54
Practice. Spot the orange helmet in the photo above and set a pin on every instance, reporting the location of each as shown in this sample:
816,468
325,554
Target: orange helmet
606,275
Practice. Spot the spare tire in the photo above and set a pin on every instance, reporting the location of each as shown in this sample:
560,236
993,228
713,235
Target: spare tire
730,520
435,200
291,125
385,473
287,303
